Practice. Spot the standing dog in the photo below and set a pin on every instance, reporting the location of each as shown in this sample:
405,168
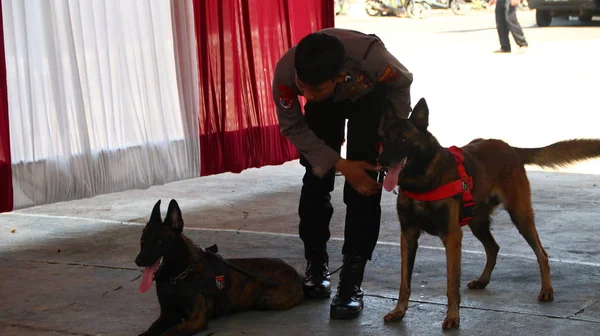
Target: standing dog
418,164
194,285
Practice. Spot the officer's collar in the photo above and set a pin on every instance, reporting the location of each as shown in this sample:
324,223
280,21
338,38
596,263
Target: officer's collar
349,69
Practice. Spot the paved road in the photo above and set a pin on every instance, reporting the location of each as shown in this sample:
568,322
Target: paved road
549,94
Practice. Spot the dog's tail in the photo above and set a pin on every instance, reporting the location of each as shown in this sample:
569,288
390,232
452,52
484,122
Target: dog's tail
561,154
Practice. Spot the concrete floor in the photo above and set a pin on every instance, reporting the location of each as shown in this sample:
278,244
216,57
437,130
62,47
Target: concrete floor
67,269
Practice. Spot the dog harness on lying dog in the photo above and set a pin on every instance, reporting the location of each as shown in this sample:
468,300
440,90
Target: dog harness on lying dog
463,186
213,284
215,281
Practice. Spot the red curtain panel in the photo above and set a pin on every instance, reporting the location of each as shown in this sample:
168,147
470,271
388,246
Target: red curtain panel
6,190
239,42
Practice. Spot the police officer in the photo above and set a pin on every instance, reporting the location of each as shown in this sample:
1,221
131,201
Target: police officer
342,74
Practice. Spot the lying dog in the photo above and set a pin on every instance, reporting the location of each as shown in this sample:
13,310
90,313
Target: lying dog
419,165
194,285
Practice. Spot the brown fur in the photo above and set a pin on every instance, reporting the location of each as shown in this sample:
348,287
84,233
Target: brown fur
499,177
560,154
185,310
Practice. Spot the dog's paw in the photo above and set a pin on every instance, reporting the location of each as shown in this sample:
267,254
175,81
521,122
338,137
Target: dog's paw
451,322
149,333
546,295
395,315
477,284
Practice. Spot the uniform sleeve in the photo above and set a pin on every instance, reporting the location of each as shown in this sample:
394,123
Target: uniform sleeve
395,80
293,126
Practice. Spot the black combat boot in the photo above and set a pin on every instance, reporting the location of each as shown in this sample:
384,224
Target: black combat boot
348,300
317,282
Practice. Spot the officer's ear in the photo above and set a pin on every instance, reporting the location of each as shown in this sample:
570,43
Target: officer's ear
341,77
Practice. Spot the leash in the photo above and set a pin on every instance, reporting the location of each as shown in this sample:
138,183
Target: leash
345,262
380,177
213,250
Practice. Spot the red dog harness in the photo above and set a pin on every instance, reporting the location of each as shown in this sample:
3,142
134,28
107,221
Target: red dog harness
463,185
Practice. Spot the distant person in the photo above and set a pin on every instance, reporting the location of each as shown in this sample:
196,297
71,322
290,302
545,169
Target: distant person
506,21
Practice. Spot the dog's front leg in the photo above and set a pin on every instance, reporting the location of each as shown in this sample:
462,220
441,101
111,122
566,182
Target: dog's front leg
164,322
191,327
453,245
168,314
409,239
196,322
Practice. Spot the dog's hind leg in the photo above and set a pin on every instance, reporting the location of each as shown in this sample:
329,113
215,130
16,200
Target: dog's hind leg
517,201
480,226
281,298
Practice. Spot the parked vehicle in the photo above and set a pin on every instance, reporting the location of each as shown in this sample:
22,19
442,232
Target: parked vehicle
545,10
458,7
416,9
524,5
340,6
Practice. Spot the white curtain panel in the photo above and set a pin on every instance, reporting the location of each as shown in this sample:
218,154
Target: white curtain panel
102,96
186,62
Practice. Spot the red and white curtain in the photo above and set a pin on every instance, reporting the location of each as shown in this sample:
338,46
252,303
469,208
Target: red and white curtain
105,96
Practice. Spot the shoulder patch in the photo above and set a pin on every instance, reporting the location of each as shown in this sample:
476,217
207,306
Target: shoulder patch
286,96
388,75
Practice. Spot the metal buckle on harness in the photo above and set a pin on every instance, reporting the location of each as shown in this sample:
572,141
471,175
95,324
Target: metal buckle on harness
381,174
465,185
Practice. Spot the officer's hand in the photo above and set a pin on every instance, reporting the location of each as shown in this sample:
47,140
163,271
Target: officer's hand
491,2
356,175
514,2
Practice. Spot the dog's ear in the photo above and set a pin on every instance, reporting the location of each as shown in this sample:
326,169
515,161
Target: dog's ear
420,115
173,218
155,217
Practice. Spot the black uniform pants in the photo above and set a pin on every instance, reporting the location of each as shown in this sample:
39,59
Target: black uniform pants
506,21
363,213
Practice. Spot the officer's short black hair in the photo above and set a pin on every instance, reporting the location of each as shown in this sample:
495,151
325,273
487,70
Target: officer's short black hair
319,57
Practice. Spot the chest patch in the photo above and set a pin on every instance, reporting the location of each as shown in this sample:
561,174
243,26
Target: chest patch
360,84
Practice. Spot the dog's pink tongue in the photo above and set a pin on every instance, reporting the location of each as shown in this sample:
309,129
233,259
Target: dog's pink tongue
147,277
391,178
